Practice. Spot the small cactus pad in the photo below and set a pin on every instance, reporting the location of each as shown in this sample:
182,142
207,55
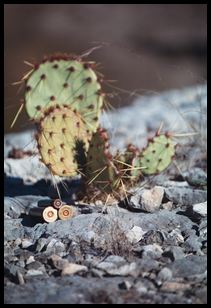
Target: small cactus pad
132,159
100,169
158,154
66,81
62,134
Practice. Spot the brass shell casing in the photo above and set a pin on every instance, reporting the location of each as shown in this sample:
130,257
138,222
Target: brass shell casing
57,203
49,214
66,212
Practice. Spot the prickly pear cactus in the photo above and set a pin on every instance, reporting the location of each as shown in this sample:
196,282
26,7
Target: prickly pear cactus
63,140
100,168
158,154
64,80
133,161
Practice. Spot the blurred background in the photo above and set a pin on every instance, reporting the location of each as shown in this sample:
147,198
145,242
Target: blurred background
145,47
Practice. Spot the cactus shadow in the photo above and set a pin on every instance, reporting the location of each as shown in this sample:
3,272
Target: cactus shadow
14,186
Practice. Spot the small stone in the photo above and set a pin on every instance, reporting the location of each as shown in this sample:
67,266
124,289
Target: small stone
174,253
200,208
191,265
55,246
196,177
117,266
41,243
140,287
33,272
30,260
165,274
20,278
151,199
58,262
153,251
26,243
171,286
135,234
168,205
177,236
21,263
72,268
125,285
192,244
185,196
17,242
36,265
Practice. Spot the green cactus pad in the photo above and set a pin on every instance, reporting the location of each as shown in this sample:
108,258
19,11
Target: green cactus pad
100,169
158,154
132,159
66,81
62,140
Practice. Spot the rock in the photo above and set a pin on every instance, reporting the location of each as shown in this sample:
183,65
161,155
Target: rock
117,266
167,206
41,244
26,243
185,196
165,274
72,268
148,200
20,278
36,265
33,272
21,263
55,246
196,177
200,208
176,237
36,232
192,244
189,266
125,285
58,262
26,169
151,237
203,229
153,251
30,260
13,229
66,267
141,288
171,286
12,207
135,234
174,253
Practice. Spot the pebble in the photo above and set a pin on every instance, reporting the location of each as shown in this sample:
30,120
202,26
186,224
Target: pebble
26,243
135,234
200,208
153,251
165,274
151,199
33,272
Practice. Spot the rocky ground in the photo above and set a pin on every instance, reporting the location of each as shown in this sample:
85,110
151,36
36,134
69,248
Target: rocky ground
149,249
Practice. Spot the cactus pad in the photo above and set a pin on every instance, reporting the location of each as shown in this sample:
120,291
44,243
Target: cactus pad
132,159
66,81
62,135
100,169
158,154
